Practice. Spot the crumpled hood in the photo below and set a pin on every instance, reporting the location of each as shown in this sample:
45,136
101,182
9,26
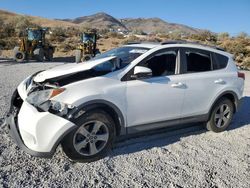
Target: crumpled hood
69,69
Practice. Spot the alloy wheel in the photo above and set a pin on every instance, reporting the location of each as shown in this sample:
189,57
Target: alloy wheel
222,115
91,138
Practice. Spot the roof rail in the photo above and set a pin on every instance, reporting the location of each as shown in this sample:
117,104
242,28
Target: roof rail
133,42
174,42
189,42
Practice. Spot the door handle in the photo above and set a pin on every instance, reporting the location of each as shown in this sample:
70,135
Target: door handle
219,81
178,85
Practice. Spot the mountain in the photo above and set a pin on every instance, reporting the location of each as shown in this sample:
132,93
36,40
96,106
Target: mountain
148,25
105,21
154,25
99,20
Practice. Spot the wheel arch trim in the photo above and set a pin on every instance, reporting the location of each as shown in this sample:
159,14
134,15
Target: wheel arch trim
100,103
235,102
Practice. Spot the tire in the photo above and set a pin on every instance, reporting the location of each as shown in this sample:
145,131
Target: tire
49,55
78,144
39,54
19,56
87,57
221,115
78,56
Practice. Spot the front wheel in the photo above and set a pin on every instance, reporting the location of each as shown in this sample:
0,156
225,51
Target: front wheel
92,139
221,116
19,56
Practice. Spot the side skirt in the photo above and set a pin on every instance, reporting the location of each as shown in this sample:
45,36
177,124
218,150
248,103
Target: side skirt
168,123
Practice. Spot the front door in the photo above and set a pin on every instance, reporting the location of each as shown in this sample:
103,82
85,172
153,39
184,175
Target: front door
159,98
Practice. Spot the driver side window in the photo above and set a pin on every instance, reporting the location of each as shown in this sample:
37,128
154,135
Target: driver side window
162,63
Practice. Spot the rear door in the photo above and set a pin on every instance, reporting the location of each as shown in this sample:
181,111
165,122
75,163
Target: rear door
202,80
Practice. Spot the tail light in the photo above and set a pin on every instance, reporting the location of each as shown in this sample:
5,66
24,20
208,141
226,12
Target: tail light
241,75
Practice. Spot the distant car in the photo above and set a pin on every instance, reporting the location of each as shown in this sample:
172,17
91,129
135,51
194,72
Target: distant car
130,89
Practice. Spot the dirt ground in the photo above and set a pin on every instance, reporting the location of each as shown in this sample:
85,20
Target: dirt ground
188,157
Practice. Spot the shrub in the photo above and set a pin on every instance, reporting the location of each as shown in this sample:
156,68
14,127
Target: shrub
115,43
23,22
246,63
223,36
205,36
115,35
131,38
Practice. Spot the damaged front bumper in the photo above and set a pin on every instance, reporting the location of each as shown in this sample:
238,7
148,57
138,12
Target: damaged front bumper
15,134
37,133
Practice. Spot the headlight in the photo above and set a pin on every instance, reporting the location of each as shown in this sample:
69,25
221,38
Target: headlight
42,100
38,97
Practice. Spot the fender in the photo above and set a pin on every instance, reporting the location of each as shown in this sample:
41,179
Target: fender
235,102
99,103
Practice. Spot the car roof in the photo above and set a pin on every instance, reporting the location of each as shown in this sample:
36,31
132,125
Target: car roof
148,45
180,43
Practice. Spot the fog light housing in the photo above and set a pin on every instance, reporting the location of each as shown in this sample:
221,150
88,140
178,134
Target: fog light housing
59,107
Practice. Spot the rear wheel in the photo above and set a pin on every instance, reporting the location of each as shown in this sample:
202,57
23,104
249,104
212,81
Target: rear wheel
39,54
18,55
92,139
87,57
221,115
78,56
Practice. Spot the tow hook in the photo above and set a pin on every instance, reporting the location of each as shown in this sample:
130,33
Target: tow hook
3,122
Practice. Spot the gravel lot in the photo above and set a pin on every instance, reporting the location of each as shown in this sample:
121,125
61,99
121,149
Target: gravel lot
190,157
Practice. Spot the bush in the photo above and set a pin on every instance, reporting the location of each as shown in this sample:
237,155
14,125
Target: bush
23,22
223,36
205,36
115,43
131,38
246,63
8,30
115,35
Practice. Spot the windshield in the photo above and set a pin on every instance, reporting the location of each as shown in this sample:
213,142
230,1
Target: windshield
88,37
123,56
34,35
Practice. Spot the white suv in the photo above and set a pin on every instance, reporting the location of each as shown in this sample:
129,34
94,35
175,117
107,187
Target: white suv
136,87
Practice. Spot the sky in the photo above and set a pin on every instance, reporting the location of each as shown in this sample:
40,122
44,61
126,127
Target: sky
232,16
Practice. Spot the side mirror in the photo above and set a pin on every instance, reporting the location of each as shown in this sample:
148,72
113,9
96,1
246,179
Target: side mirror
141,73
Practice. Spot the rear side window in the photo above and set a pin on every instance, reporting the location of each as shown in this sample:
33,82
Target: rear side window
198,61
220,61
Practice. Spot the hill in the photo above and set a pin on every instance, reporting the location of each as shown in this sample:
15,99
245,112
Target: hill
149,25
8,17
105,21
156,25
99,20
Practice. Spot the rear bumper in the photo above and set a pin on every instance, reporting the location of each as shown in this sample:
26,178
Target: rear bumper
238,104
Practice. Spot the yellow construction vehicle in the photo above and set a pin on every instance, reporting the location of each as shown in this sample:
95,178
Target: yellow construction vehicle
33,45
87,48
